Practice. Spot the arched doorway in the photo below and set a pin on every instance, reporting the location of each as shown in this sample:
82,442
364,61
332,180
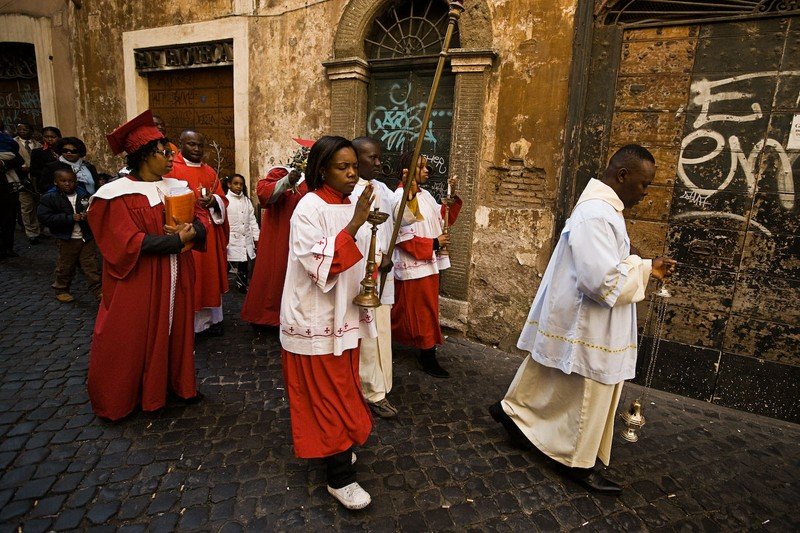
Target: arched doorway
403,48
384,56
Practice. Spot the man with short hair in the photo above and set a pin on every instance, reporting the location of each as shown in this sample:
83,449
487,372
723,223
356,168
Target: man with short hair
581,330
162,127
28,197
375,365
211,266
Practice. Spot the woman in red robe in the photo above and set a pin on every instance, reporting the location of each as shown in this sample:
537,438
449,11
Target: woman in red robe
143,341
320,326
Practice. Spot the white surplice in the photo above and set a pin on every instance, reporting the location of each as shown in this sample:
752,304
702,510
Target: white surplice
583,319
406,266
581,335
318,316
375,361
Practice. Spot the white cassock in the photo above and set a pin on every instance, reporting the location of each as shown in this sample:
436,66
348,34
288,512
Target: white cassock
375,365
581,335
318,316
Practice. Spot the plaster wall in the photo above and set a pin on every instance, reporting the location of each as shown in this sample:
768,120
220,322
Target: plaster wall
520,164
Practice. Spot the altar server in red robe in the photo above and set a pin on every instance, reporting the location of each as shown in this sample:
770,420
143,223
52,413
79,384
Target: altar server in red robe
143,342
417,263
320,326
211,266
278,192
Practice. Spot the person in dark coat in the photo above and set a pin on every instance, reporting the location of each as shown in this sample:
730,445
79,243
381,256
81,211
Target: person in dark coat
63,210
72,151
41,157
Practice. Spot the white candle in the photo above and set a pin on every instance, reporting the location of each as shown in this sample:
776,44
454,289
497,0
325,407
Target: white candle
448,188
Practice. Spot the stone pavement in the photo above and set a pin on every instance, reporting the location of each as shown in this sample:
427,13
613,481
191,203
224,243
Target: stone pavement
443,464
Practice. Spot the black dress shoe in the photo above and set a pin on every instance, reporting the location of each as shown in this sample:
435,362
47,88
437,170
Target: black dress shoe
593,480
431,366
33,241
516,438
197,398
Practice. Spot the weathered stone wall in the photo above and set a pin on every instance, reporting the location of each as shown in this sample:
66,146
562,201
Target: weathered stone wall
522,130
96,36
521,162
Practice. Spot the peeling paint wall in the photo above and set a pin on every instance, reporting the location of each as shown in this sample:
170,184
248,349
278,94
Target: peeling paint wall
521,162
289,96
715,103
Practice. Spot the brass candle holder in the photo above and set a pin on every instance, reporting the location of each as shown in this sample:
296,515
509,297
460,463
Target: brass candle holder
368,297
447,201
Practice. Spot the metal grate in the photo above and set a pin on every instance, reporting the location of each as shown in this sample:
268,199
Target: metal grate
652,13
410,29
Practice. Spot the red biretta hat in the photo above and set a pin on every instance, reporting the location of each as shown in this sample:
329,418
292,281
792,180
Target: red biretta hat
134,134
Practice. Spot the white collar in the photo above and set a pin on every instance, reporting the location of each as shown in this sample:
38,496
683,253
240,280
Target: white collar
597,190
192,164
154,190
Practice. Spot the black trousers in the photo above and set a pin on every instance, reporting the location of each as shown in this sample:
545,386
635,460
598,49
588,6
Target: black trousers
340,471
242,272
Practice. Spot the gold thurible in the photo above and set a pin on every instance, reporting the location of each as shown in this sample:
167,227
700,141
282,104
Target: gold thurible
368,297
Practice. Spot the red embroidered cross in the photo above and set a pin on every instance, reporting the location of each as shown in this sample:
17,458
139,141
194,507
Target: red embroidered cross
327,330
291,330
340,331
308,332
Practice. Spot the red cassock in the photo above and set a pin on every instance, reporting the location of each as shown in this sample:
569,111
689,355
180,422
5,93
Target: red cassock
326,406
211,266
136,357
262,305
415,314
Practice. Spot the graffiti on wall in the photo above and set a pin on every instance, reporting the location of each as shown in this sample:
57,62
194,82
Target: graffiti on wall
19,103
401,122
730,139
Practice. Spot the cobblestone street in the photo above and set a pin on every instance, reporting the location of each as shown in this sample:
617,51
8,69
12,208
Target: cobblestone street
226,464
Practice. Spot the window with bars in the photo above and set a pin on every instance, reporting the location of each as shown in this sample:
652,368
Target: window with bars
650,13
410,30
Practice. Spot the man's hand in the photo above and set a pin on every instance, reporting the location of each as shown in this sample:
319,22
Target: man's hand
78,217
362,210
444,240
663,267
294,177
207,202
386,264
635,251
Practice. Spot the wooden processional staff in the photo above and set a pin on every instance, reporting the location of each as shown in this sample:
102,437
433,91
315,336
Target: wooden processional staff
369,297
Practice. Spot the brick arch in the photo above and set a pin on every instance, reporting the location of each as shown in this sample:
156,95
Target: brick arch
359,14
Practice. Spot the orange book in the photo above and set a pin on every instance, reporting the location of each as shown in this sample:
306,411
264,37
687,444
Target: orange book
179,209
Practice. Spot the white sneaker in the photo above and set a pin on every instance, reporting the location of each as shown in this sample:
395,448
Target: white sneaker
352,496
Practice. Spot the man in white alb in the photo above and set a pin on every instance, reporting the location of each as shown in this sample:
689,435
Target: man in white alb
581,330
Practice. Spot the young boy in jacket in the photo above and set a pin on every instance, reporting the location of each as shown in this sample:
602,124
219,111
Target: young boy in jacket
63,210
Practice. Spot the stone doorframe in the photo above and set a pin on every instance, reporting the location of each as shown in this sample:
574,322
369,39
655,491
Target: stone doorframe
38,32
235,28
349,75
